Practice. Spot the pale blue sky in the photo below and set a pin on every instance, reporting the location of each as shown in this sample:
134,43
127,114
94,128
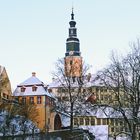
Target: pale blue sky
33,33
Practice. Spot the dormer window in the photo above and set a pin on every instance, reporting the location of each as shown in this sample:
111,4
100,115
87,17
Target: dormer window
23,89
34,88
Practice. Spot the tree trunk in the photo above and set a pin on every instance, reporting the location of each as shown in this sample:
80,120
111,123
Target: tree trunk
71,117
134,136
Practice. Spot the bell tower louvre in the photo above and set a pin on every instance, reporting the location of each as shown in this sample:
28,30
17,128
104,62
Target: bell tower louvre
73,59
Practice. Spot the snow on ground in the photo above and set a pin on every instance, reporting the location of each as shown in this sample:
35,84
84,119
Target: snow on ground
99,131
15,125
65,120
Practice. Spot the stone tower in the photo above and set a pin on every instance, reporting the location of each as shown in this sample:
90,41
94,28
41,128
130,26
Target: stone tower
73,59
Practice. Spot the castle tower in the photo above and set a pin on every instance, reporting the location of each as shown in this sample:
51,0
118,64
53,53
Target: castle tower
73,59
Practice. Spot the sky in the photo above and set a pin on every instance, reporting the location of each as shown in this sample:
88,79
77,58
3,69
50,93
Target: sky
33,33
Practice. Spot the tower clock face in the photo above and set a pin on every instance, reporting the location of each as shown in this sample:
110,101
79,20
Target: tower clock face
71,53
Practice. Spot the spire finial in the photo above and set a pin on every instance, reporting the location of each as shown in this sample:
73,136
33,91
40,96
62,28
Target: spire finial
72,15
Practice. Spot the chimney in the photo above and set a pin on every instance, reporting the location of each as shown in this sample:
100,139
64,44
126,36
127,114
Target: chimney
33,74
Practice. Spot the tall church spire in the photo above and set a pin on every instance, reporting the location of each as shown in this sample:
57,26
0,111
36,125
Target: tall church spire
73,59
72,15
72,42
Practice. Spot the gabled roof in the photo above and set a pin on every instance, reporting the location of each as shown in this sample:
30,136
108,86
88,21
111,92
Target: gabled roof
33,80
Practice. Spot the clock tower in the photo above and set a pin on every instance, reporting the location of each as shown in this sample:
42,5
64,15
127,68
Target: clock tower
73,59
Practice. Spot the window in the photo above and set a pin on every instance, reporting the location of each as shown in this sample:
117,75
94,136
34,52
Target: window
98,121
38,99
107,121
34,88
101,90
104,122
75,121
86,121
112,129
112,122
106,97
48,120
4,95
105,90
116,122
101,96
97,89
22,89
47,100
32,100
117,129
92,121
70,62
121,128
24,100
121,122
65,98
81,121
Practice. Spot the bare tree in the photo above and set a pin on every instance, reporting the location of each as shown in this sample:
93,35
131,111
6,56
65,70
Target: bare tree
3,84
122,78
71,93
29,111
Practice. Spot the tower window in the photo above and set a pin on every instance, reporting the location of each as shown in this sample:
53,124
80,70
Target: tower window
71,62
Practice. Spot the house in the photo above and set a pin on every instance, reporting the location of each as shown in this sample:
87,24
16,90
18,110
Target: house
5,86
33,91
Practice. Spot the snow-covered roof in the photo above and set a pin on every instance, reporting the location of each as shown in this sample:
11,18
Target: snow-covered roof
102,112
33,80
61,83
28,85
28,92
99,131
94,81
55,84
